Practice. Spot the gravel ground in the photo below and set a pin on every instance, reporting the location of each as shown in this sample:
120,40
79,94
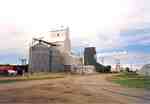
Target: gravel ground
89,89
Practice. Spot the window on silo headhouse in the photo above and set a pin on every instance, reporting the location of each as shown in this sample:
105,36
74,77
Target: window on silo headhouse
58,34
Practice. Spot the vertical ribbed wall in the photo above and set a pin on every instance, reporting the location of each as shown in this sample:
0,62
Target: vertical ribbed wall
89,56
39,58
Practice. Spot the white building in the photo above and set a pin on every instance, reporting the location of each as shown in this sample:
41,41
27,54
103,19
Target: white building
145,70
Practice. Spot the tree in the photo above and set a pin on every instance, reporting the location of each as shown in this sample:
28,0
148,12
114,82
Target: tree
127,69
108,69
102,68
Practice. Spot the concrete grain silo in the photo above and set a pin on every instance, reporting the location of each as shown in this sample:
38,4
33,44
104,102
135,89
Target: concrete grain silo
62,38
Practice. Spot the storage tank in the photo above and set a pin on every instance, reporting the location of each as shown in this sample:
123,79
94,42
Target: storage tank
90,56
39,59
45,58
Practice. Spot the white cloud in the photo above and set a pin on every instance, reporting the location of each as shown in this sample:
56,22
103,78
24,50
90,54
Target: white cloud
97,22
134,58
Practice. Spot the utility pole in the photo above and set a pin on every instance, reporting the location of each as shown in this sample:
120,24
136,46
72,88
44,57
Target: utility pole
23,61
82,61
102,60
117,65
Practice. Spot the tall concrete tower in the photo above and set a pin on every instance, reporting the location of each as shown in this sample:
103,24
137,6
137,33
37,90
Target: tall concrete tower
62,38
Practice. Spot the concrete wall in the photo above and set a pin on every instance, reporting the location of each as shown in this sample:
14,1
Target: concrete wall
71,59
62,38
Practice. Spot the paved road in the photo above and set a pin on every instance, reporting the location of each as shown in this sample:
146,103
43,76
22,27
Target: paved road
92,89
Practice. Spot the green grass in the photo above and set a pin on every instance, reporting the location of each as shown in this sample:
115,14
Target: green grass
132,80
31,77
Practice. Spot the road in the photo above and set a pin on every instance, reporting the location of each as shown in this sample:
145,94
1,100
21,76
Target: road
89,89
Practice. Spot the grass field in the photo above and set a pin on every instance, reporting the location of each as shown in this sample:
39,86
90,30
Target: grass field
132,80
40,76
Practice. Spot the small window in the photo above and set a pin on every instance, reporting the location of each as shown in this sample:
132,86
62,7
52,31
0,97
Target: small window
57,34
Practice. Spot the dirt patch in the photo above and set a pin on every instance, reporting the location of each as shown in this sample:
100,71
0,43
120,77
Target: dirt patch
71,90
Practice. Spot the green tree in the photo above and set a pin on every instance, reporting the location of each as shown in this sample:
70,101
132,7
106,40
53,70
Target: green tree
127,69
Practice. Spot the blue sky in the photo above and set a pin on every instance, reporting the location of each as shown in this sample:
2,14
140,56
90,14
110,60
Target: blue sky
109,25
9,58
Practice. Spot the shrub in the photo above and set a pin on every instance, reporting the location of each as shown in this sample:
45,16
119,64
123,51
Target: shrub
127,69
102,68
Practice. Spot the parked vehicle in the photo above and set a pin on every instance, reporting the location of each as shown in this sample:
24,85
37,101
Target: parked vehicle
13,69
12,72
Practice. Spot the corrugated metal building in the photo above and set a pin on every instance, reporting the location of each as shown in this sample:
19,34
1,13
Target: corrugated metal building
49,58
90,56
44,58
145,70
39,58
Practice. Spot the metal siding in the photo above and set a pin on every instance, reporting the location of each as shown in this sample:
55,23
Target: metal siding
39,58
